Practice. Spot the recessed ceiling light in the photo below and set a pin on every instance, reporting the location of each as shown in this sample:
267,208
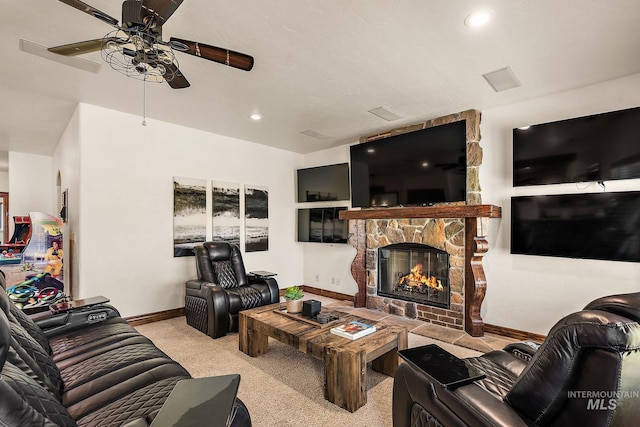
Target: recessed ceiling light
256,116
478,19
371,150
425,164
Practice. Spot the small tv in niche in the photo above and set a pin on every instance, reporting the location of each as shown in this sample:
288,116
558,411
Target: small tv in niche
323,183
603,226
322,225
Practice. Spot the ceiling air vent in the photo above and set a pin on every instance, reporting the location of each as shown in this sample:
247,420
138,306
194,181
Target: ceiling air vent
314,134
385,113
502,79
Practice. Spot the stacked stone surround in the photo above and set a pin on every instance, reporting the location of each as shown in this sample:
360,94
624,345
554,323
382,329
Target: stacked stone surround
444,234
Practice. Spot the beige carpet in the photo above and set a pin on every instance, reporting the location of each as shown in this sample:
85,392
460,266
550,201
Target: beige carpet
283,387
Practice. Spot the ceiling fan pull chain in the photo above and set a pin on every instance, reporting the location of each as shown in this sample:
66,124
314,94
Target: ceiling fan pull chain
144,101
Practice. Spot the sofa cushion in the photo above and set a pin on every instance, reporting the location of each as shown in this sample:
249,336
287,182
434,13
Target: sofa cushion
68,345
497,381
141,403
80,370
41,366
26,403
25,400
17,315
244,298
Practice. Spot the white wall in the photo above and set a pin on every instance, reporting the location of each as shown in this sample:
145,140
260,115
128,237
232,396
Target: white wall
528,293
123,222
531,293
31,185
328,266
125,233
4,181
66,162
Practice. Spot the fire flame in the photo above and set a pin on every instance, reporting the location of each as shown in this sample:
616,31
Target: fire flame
416,278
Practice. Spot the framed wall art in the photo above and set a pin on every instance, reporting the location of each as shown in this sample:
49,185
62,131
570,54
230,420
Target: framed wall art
226,212
256,213
189,215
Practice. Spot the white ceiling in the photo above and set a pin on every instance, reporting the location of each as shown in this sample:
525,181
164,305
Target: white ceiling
320,65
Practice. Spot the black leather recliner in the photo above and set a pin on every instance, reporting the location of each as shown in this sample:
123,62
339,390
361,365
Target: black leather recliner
223,289
586,373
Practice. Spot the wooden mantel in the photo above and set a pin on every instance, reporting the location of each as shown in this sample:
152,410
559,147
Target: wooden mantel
439,211
476,246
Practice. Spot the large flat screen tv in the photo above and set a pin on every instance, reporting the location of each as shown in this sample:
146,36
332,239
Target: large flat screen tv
604,226
323,183
600,147
412,169
322,225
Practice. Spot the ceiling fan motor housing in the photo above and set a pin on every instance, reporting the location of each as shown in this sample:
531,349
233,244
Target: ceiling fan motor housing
132,13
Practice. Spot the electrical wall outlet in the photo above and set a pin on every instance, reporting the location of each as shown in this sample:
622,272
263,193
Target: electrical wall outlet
317,277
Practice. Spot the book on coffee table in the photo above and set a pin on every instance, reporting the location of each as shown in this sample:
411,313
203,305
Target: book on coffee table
353,330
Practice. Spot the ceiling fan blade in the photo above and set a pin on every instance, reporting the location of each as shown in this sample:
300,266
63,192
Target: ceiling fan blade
217,54
79,48
179,81
91,11
160,9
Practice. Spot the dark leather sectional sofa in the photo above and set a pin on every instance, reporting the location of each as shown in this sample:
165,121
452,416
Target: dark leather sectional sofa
586,373
83,371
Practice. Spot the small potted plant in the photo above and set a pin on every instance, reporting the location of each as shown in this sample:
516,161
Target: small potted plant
293,295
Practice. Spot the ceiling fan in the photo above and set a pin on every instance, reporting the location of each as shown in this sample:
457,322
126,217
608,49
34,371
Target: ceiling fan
136,49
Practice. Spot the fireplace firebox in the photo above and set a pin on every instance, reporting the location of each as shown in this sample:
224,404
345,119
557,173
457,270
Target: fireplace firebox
414,272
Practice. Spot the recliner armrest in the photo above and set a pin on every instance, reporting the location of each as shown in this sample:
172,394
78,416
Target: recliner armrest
57,323
197,284
523,350
75,305
464,406
272,284
216,302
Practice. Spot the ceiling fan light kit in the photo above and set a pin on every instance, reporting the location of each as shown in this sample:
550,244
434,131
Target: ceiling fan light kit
136,49
133,56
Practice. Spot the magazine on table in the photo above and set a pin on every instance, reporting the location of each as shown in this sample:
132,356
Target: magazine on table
353,330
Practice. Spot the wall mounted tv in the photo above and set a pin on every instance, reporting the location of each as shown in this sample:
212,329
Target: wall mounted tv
412,169
600,147
604,226
323,183
322,225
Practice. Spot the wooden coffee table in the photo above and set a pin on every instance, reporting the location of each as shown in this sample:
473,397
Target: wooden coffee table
345,361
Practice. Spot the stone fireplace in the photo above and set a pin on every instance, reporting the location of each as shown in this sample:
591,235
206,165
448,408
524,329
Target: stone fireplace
437,244
455,232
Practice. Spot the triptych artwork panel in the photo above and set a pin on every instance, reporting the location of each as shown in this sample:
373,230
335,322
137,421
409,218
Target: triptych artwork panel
190,219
